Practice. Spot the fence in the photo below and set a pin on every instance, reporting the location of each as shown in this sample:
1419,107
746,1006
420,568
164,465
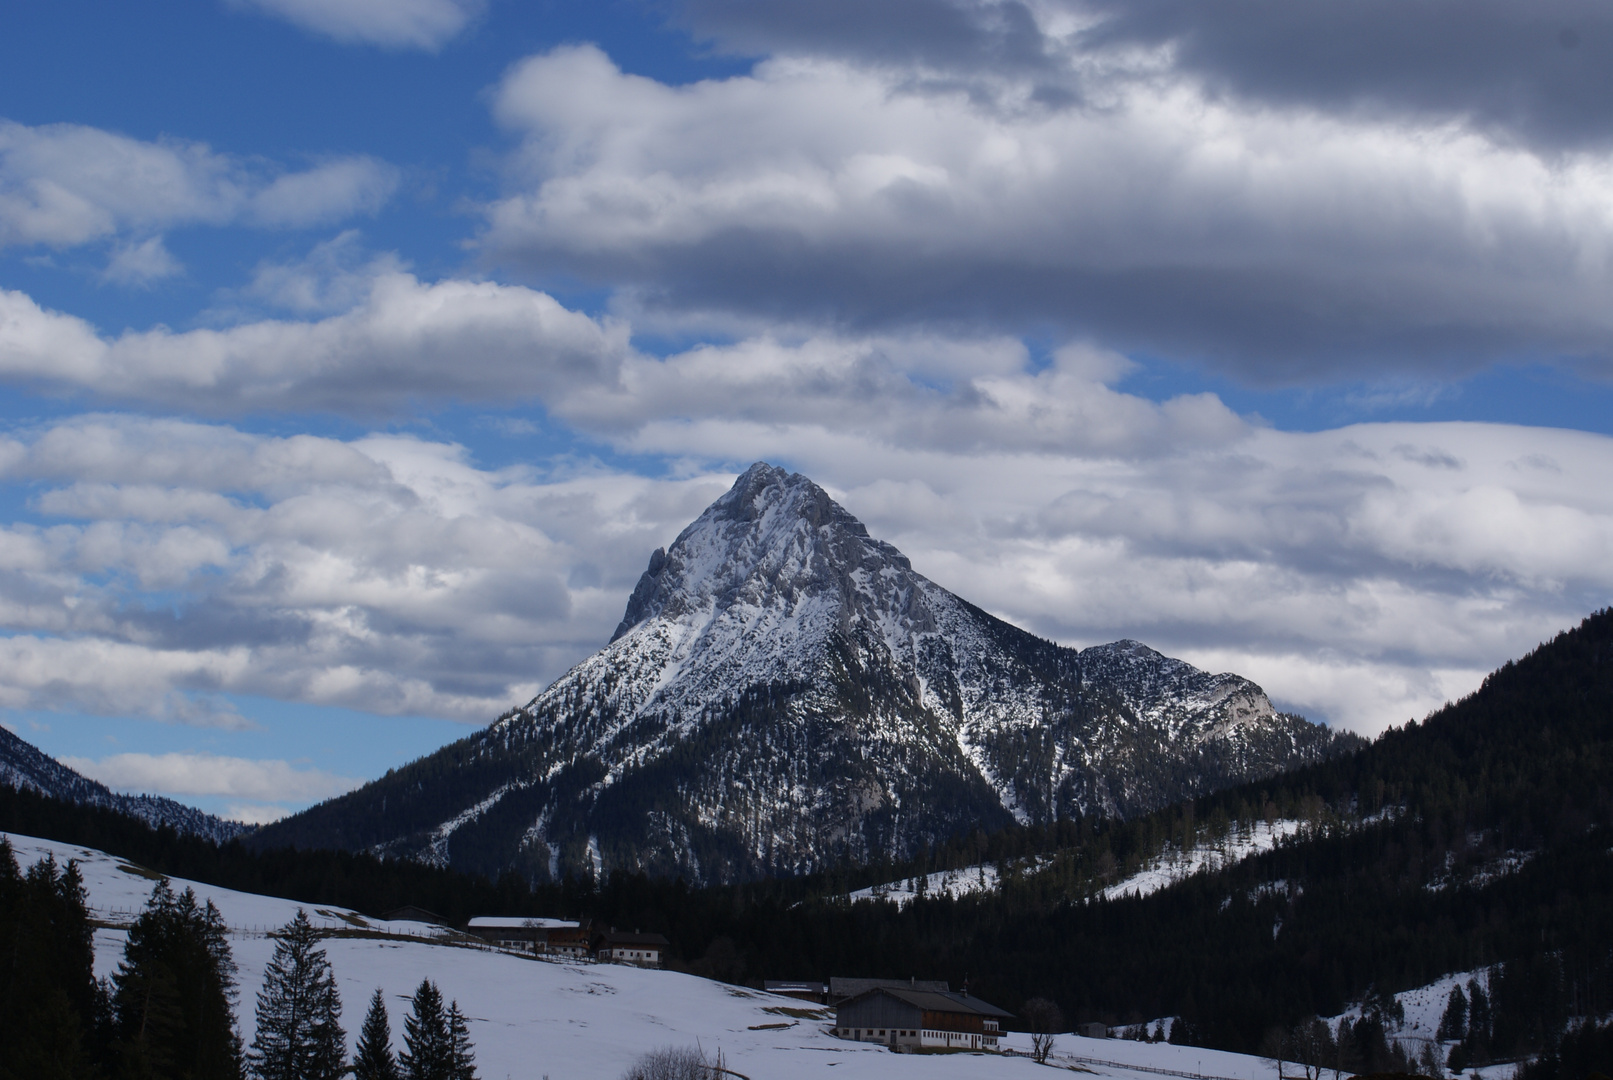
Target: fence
1076,1059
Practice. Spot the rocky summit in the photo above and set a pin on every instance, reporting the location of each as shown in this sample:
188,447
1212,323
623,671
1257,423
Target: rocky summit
784,692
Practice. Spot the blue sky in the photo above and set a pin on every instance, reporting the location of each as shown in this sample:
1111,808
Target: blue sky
356,353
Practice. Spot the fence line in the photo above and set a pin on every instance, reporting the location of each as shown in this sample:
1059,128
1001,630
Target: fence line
1142,1068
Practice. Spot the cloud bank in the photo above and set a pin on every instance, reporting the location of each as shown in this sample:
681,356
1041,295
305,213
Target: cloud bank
1144,210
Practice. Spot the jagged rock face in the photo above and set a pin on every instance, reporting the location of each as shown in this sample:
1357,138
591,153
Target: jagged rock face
26,767
785,691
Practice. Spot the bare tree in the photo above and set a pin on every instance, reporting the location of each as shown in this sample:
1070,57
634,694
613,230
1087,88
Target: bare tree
1274,1048
1312,1047
678,1063
1046,1020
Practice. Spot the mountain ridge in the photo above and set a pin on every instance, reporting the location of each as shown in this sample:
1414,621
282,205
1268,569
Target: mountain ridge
783,692
23,765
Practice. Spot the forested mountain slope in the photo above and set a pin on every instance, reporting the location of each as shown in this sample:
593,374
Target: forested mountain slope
24,765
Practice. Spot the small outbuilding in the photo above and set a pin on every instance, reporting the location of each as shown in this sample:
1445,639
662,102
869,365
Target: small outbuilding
905,1018
1093,1030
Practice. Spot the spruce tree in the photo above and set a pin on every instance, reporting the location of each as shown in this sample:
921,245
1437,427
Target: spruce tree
461,1061
174,992
1453,1025
300,1036
427,1045
50,1002
373,1058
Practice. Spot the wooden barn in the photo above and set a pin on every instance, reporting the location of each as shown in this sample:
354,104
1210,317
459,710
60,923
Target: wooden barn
905,1018
528,935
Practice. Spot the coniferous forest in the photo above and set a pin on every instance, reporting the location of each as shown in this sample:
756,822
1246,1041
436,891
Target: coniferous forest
1478,838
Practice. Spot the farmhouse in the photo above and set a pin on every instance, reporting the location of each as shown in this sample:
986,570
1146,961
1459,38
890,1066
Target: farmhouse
617,947
528,935
905,1018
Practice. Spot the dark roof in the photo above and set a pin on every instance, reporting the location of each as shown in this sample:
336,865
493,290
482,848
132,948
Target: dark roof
618,937
935,1001
853,987
411,913
774,986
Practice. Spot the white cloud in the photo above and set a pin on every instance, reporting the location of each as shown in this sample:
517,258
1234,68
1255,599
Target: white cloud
1145,213
63,185
211,774
141,264
337,275
405,342
398,24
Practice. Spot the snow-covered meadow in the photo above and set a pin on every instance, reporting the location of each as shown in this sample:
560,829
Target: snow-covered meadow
581,1021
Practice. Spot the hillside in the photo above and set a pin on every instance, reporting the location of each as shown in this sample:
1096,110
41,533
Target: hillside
23,765
785,693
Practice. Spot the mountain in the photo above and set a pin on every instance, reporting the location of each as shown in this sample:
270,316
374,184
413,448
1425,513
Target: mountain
25,766
785,692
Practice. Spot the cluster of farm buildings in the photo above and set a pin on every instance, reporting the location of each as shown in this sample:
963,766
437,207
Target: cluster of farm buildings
910,1016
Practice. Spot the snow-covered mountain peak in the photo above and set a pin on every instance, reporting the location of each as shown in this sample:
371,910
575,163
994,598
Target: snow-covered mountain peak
785,691
774,542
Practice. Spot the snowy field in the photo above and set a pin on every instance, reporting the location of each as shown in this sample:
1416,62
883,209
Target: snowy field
577,1021
1174,866
956,883
1158,873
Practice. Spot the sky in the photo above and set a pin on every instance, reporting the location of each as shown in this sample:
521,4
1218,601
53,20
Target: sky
355,354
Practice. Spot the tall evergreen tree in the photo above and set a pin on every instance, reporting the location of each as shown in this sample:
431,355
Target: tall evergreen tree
1453,1024
427,1045
174,992
373,1058
299,1036
50,1002
461,1060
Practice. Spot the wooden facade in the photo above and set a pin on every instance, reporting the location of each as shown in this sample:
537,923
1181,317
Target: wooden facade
919,1020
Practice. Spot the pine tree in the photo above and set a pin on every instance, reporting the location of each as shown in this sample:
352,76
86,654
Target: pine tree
427,1045
373,1058
299,1034
461,1060
49,1000
1453,1024
173,994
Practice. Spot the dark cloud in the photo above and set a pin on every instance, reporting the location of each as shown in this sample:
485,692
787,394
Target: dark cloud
1537,73
1542,73
933,33
1271,322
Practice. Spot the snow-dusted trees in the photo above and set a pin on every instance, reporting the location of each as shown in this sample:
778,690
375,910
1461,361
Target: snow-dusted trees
373,1058
300,1036
436,1044
173,994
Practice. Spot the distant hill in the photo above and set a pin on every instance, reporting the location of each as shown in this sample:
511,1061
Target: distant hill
785,693
23,765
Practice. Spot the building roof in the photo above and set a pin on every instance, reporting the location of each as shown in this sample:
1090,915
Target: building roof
618,937
787,986
411,913
845,988
936,1001
500,922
